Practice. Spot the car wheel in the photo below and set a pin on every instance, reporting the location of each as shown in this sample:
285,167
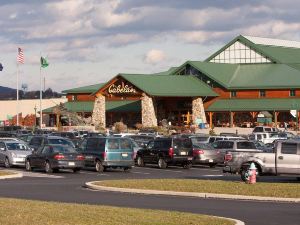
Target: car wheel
188,165
212,165
28,165
55,170
127,169
76,170
6,163
140,161
48,168
162,163
99,167
244,174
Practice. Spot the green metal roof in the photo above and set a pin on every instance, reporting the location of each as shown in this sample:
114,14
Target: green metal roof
169,85
280,54
277,54
85,89
251,76
111,106
168,72
263,104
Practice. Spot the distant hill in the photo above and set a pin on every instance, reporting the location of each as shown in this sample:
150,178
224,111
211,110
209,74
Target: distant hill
11,94
7,93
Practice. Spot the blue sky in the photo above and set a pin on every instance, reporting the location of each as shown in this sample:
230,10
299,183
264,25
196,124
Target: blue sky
90,41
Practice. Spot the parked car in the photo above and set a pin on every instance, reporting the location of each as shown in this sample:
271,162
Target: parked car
211,139
264,129
39,141
53,157
266,137
13,153
167,151
284,161
107,152
205,154
141,140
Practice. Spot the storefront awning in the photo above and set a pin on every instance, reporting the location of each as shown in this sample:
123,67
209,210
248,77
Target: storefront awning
263,104
111,106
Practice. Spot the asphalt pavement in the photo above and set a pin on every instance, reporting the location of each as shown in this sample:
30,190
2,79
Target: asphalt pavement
68,187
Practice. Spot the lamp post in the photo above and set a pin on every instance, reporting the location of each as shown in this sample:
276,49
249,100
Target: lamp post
35,116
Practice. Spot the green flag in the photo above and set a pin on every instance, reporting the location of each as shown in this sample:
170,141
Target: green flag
44,62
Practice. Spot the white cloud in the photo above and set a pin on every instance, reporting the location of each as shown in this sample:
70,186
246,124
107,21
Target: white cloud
154,56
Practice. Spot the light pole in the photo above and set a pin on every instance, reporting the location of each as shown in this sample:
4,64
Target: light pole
35,116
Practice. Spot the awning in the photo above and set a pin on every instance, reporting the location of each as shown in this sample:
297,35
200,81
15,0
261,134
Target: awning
256,105
111,106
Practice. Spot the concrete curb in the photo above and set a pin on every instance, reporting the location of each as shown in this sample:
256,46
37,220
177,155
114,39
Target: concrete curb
15,175
92,186
189,194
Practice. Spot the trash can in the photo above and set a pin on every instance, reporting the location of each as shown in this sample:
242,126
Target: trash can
202,125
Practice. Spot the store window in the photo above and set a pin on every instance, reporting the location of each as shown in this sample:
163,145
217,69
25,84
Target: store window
262,93
233,94
292,93
74,97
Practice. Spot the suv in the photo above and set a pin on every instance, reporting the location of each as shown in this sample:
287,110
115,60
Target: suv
167,151
262,129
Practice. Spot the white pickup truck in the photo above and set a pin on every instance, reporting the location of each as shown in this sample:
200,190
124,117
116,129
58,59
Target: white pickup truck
285,160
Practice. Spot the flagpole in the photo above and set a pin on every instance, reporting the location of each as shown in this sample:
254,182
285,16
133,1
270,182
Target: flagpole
17,94
41,96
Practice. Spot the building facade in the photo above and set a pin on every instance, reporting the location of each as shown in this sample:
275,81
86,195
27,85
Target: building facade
250,80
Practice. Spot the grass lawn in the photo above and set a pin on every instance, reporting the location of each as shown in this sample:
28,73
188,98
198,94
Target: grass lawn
3,173
27,212
285,190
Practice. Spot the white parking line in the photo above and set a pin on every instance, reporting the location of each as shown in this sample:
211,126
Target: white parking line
41,175
141,173
91,173
209,175
205,169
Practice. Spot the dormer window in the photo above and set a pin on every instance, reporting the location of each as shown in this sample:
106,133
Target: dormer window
262,93
292,93
233,94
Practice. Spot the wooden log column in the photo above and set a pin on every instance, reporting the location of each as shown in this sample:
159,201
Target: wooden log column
98,117
198,110
149,118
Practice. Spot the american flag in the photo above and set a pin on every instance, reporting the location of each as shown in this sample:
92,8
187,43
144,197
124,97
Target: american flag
20,57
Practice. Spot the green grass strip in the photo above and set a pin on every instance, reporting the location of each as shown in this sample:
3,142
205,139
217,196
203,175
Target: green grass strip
28,212
284,190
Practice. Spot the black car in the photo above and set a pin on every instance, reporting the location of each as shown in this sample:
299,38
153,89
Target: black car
167,151
55,157
37,142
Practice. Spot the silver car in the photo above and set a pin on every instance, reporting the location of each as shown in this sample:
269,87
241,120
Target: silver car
205,154
13,153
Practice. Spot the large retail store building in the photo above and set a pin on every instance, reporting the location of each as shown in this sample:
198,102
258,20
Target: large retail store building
248,80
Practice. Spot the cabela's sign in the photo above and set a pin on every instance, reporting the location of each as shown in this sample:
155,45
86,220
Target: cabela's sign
121,88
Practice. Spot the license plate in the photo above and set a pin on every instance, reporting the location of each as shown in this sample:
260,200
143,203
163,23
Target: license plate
71,164
210,160
182,153
124,155
190,158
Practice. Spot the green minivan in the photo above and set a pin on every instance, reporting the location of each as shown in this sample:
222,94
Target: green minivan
107,152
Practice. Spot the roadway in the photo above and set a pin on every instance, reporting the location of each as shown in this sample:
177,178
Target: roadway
68,187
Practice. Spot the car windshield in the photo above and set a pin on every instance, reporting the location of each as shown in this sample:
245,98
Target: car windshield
17,146
63,149
60,141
